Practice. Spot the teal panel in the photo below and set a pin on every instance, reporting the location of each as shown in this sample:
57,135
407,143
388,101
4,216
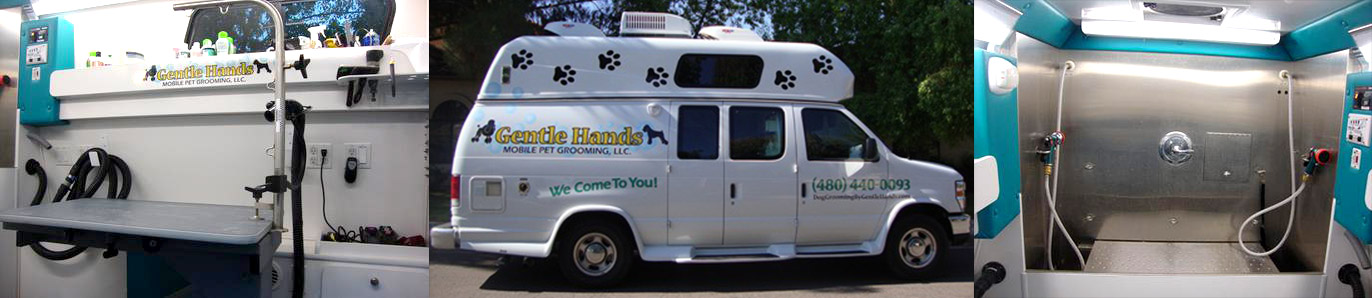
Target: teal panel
1350,185
150,276
12,3
996,127
1080,41
36,104
1043,22
1328,34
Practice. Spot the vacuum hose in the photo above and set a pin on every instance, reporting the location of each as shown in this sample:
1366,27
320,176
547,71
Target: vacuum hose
991,274
1349,275
295,112
104,167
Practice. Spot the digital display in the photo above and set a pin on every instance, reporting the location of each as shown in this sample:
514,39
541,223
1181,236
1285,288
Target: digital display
38,35
718,71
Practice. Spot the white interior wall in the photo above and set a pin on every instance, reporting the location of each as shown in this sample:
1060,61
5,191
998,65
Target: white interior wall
210,158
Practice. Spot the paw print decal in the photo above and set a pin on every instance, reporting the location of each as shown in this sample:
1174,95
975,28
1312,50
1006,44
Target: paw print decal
609,60
564,75
657,77
785,80
823,64
522,60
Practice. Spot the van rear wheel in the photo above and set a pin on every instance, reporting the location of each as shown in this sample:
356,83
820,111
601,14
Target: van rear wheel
915,247
595,254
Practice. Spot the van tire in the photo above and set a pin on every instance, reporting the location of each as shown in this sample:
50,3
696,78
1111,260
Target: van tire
604,235
922,230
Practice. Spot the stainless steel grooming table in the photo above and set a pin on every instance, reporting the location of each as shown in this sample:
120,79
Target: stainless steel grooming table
1175,258
219,249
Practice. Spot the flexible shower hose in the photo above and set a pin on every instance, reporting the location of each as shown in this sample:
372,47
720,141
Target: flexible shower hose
1053,191
1291,217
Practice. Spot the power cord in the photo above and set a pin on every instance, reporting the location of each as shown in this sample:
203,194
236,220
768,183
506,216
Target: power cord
324,155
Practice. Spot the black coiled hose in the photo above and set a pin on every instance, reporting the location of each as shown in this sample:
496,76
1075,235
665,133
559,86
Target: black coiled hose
74,186
295,112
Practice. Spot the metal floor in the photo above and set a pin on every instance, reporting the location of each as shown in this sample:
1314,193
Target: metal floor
1174,258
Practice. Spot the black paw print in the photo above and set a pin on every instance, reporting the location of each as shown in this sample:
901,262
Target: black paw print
785,80
609,60
522,60
564,75
822,64
657,77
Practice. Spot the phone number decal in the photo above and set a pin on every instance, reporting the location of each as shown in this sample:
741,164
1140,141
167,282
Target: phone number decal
860,184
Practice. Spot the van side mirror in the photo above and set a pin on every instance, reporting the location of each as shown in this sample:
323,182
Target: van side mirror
869,149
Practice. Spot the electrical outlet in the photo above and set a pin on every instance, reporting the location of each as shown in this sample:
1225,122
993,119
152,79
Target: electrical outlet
363,153
314,159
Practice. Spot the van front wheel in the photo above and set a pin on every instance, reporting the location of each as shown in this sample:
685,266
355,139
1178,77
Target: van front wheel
915,247
595,254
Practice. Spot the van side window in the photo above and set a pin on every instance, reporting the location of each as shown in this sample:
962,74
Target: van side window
756,133
698,132
830,135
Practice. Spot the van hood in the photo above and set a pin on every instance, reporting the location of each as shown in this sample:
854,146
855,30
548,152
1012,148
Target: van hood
929,181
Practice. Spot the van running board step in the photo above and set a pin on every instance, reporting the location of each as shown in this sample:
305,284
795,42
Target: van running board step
736,258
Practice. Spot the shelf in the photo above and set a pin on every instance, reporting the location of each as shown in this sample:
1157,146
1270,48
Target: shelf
383,77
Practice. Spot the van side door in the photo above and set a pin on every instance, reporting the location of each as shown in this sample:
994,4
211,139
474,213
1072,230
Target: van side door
759,175
695,184
842,191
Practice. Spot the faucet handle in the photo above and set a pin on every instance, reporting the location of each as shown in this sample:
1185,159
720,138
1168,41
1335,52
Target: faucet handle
300,64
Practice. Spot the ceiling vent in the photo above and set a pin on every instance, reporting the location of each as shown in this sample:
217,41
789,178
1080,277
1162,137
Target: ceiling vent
653,24
573,29
1187,11
728,33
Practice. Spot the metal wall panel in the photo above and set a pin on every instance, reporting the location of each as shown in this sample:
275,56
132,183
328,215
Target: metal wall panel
1117,107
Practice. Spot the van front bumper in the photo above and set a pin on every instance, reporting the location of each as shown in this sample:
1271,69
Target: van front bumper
962,228
443,236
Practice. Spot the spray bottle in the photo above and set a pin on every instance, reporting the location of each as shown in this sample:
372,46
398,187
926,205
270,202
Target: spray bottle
316,36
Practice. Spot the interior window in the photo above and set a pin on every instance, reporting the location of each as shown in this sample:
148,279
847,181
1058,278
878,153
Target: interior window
830,135
756,133
251,28
698,132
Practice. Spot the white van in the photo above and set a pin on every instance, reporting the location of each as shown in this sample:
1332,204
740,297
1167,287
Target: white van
598,152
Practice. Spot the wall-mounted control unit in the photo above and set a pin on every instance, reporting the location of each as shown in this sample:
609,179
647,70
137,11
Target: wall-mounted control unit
1352,183
46,46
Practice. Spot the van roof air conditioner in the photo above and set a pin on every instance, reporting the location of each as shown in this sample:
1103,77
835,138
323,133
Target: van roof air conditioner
574,29
653,24
728,33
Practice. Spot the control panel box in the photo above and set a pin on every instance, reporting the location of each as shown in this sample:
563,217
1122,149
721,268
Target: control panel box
1359,129
1352,182
46,46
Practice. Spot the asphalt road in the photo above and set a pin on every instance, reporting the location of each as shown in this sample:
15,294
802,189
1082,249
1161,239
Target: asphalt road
454,273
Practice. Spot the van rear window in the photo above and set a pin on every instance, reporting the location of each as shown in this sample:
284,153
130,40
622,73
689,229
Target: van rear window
718,71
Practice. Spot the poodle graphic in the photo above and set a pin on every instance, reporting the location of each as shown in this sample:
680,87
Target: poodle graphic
151,75
485,131
655,134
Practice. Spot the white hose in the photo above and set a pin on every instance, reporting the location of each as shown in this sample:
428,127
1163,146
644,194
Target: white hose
1288,200
1291,217
1053,191
1054,212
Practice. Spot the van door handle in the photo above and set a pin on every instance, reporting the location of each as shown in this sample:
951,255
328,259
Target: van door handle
802,189
733,191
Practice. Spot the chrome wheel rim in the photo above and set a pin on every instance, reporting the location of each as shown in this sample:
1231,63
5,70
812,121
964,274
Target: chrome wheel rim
594,254
918,248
